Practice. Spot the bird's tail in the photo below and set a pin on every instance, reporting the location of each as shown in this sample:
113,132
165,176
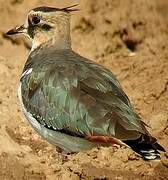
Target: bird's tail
146,146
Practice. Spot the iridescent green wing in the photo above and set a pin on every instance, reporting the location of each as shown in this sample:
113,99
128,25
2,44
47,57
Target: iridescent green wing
81,98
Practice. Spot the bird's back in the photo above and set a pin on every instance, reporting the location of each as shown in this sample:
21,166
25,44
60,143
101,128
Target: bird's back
68,93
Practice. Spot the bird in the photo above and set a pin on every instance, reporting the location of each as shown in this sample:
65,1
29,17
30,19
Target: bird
72,102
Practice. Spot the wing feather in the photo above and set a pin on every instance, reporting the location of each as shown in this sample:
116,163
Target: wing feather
80,97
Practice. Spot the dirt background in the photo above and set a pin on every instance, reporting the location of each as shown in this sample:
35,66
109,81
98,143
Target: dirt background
130,37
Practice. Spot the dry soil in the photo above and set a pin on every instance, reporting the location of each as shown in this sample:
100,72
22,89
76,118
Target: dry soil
130,37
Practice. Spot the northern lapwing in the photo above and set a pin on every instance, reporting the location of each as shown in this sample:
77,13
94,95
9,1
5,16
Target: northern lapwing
73,102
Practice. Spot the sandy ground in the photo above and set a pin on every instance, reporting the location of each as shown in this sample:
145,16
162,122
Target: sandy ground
127,36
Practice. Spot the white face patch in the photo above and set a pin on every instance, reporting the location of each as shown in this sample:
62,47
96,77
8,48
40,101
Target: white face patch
27,72
35,44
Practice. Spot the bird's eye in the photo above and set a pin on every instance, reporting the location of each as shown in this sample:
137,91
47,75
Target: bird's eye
36,20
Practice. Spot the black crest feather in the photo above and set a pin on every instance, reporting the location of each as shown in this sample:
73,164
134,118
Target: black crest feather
52,9
70,8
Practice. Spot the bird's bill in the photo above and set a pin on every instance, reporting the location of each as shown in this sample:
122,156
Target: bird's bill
17,30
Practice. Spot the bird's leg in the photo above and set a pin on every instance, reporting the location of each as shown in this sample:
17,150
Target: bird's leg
107,140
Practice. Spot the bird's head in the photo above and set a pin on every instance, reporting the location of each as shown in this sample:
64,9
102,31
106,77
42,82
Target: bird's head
47,25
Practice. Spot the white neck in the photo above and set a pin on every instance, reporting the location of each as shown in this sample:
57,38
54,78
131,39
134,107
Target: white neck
64,43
